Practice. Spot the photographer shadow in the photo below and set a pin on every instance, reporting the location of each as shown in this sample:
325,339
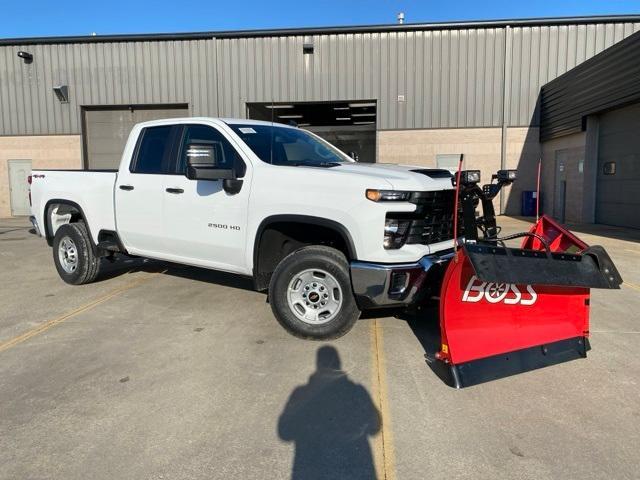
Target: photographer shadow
330,420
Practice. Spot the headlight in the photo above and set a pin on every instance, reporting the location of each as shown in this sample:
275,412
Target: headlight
387,195
395,233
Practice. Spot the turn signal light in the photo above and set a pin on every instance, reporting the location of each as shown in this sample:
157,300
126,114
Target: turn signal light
387,195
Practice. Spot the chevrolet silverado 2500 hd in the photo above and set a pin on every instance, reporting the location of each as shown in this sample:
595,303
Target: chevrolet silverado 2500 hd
325,235
329,237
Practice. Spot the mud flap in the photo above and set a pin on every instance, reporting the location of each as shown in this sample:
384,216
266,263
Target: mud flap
505,311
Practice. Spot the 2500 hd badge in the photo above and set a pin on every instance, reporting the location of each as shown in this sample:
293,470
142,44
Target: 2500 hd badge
224,226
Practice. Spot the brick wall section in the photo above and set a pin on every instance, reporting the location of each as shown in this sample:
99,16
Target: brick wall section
46,151
481,147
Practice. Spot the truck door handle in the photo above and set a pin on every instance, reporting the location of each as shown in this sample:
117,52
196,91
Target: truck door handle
126,187
174,190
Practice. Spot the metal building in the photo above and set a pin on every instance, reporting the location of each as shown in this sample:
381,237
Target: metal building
413,93
591,129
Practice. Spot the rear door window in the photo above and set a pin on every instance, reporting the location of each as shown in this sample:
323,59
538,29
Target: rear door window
155,150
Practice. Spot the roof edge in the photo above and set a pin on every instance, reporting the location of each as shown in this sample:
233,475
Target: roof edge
282,32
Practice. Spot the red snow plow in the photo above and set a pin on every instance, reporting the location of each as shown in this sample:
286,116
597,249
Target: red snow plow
506,310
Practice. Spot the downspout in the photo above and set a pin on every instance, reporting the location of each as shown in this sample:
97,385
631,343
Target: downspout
506,94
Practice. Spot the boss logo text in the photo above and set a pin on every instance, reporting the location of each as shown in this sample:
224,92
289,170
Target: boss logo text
508,293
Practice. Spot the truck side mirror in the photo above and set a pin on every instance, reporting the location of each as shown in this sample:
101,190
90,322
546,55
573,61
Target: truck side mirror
205,161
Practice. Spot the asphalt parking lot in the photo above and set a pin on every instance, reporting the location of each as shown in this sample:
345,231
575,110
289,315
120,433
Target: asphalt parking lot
162,371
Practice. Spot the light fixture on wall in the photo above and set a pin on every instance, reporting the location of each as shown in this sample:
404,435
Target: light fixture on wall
62,92
307,45
26,56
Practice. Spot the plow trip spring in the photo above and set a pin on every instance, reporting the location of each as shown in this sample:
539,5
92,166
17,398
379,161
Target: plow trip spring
508,310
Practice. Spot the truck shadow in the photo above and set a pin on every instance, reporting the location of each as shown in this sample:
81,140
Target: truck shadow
123,265
425,325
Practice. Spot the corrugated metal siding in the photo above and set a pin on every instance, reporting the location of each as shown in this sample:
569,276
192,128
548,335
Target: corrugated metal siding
449,78
607,81
540,54
101,74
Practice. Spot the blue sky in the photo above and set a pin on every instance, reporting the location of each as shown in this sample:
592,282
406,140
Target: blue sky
77,17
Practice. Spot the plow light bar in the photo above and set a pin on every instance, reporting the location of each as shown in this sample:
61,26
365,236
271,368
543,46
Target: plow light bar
506,175
387,195
467,177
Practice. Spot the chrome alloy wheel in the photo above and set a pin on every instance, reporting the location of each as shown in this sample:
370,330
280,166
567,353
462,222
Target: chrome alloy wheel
68,255
314,296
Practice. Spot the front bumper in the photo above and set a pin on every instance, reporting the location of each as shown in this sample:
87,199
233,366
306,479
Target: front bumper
377,285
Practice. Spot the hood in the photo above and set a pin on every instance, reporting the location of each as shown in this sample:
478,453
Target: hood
401,177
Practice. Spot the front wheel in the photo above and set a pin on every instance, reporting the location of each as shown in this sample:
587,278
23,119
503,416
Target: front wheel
310,294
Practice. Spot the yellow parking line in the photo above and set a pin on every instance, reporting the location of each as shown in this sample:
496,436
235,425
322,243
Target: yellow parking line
384,455
632,285
88,306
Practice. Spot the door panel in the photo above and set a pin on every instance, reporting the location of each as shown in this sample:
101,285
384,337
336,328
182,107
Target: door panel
140,192
139,213
560,194
19,171
205,225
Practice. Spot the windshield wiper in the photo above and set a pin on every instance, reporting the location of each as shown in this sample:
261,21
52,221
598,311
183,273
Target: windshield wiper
312,164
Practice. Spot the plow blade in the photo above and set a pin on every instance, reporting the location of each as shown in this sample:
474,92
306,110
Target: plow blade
504,311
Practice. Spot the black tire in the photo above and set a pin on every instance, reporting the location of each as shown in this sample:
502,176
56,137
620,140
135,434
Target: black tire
324,259
87,263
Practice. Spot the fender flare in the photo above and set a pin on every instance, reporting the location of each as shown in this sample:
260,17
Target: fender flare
47,218
309,219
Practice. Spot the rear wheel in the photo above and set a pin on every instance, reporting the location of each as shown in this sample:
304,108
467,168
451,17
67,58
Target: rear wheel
73,254
310,294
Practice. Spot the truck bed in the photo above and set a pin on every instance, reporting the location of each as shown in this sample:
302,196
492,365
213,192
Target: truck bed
92,191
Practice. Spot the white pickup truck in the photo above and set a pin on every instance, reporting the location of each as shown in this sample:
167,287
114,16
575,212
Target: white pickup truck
327,236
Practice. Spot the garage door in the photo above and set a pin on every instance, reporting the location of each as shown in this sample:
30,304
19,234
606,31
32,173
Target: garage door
349,125
617,199
107,130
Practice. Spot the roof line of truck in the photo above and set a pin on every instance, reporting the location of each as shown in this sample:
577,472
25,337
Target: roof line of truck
282,32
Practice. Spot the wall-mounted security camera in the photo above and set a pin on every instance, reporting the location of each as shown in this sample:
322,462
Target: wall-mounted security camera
26,56
62,92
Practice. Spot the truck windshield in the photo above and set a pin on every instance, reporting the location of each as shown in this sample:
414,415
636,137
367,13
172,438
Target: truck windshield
288,146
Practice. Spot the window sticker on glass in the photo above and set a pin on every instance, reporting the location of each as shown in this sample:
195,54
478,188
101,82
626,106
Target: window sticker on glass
247,130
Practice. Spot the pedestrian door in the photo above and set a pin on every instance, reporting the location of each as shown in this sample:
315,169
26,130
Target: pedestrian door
19,171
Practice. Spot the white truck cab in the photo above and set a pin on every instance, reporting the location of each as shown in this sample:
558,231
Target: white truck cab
326,236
